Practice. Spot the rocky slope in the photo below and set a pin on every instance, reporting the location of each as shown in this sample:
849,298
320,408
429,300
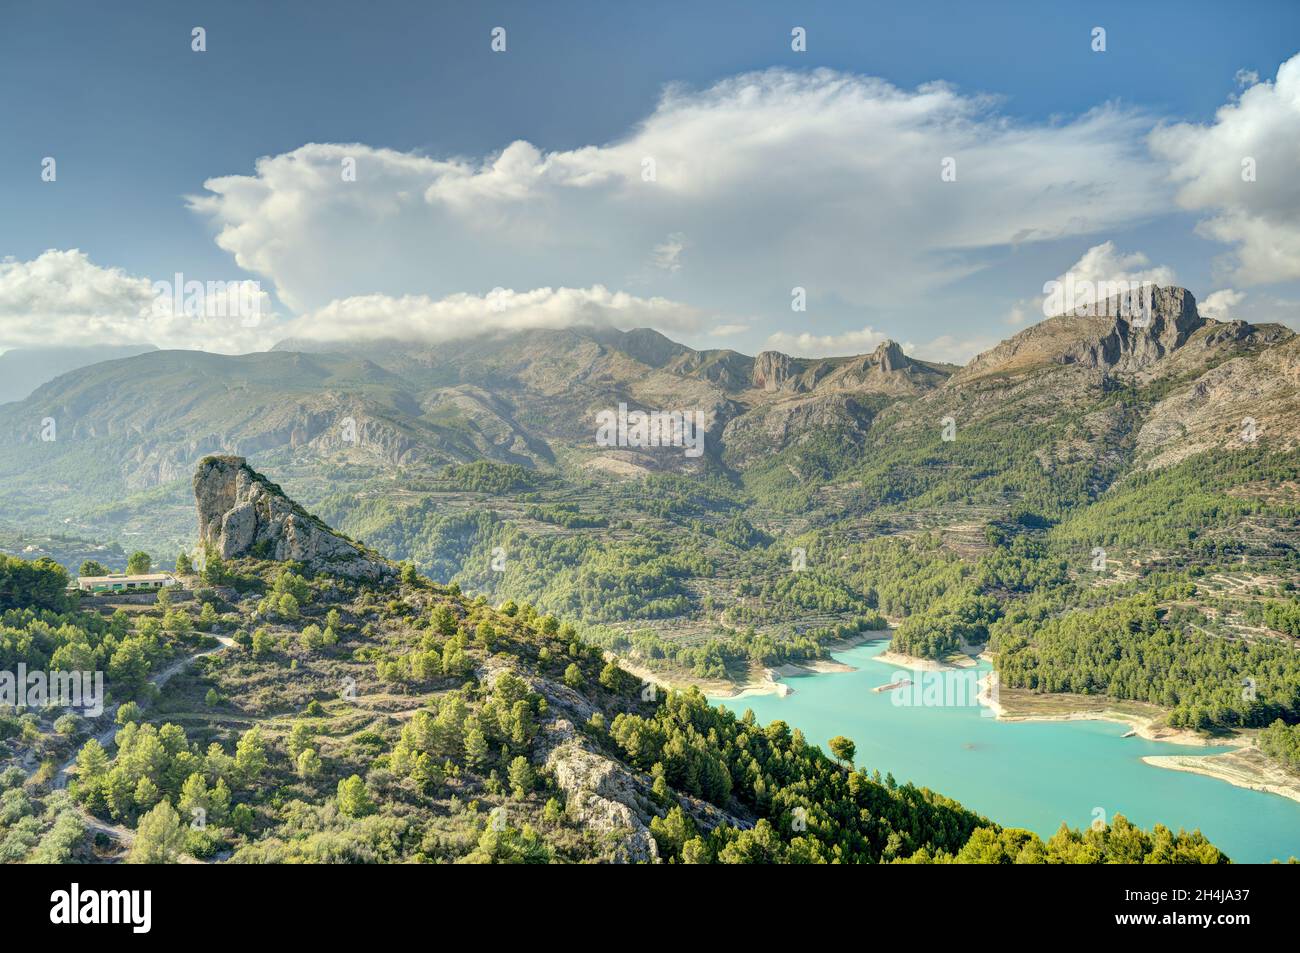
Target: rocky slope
532,398
241,514
387,718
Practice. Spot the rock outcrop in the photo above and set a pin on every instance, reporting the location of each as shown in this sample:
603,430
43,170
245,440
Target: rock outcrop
771,370
241,513
889,357
1112,336
772,427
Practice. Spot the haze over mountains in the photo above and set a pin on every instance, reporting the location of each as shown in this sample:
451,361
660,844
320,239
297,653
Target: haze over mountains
22,370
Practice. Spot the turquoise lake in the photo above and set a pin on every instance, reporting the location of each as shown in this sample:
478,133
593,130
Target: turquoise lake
1026,774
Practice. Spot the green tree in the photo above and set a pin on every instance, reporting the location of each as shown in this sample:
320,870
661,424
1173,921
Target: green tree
92,762
308,764
354,800
476,746
843,748
159,838
139,563
250,756
288,605
92,568
521,776
184,566
127,712
263,643
194,795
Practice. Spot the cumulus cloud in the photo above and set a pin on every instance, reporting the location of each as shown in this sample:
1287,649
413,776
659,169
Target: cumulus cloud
1105,263
826,345
62,298
421,318
949,349
1221,305
1242,169
825,180
1102,264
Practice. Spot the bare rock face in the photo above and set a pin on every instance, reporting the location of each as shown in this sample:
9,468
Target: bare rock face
1241,401
771,370
1108,338
889,357
1138,342
241,513
771,427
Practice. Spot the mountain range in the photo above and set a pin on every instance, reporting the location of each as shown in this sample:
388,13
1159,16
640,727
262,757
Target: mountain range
530,397
1089,478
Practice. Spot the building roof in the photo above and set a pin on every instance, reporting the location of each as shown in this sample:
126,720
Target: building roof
122,577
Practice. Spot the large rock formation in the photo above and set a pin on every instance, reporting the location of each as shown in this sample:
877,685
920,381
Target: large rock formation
771,370
241,513
1112,336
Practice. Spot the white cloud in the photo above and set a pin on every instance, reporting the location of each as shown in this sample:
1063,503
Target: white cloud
667,256
1103,263
421,318
1106,263
61,298
1020,313
948,349
1260,218
820,179
826,345
1221,305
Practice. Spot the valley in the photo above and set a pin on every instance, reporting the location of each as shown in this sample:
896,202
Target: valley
1111,512
327,705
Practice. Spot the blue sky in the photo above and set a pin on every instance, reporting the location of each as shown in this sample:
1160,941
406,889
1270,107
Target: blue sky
137,122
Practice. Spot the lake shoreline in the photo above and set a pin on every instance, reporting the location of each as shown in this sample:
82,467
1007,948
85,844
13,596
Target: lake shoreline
990,768
769,681
1244,767
1013,704
1247,767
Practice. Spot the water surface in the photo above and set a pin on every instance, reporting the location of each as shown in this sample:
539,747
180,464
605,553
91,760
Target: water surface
1026,774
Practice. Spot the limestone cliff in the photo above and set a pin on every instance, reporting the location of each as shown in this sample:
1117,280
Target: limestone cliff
241,513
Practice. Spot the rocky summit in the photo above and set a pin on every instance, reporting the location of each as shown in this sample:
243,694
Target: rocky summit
241,513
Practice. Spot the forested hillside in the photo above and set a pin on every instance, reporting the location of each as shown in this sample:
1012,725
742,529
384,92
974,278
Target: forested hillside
284,714
1107,509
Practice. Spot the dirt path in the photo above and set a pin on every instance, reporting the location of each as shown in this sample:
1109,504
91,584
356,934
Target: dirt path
124,835
106,736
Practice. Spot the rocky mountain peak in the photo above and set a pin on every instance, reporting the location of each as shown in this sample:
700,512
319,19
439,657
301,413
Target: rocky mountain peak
1114,335
771,370
889,356
241,513
1135,339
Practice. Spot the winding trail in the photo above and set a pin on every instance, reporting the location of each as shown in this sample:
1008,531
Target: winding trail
106,736
124,835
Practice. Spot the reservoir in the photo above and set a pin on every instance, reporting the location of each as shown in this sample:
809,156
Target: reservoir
1026,774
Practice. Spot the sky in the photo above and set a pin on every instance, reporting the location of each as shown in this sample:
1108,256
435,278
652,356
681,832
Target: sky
917,172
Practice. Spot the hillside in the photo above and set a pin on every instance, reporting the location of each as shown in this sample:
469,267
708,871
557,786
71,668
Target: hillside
1144,474
22,370
282,712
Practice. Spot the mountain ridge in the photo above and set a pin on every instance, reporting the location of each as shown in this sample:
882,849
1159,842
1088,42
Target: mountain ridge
528,396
